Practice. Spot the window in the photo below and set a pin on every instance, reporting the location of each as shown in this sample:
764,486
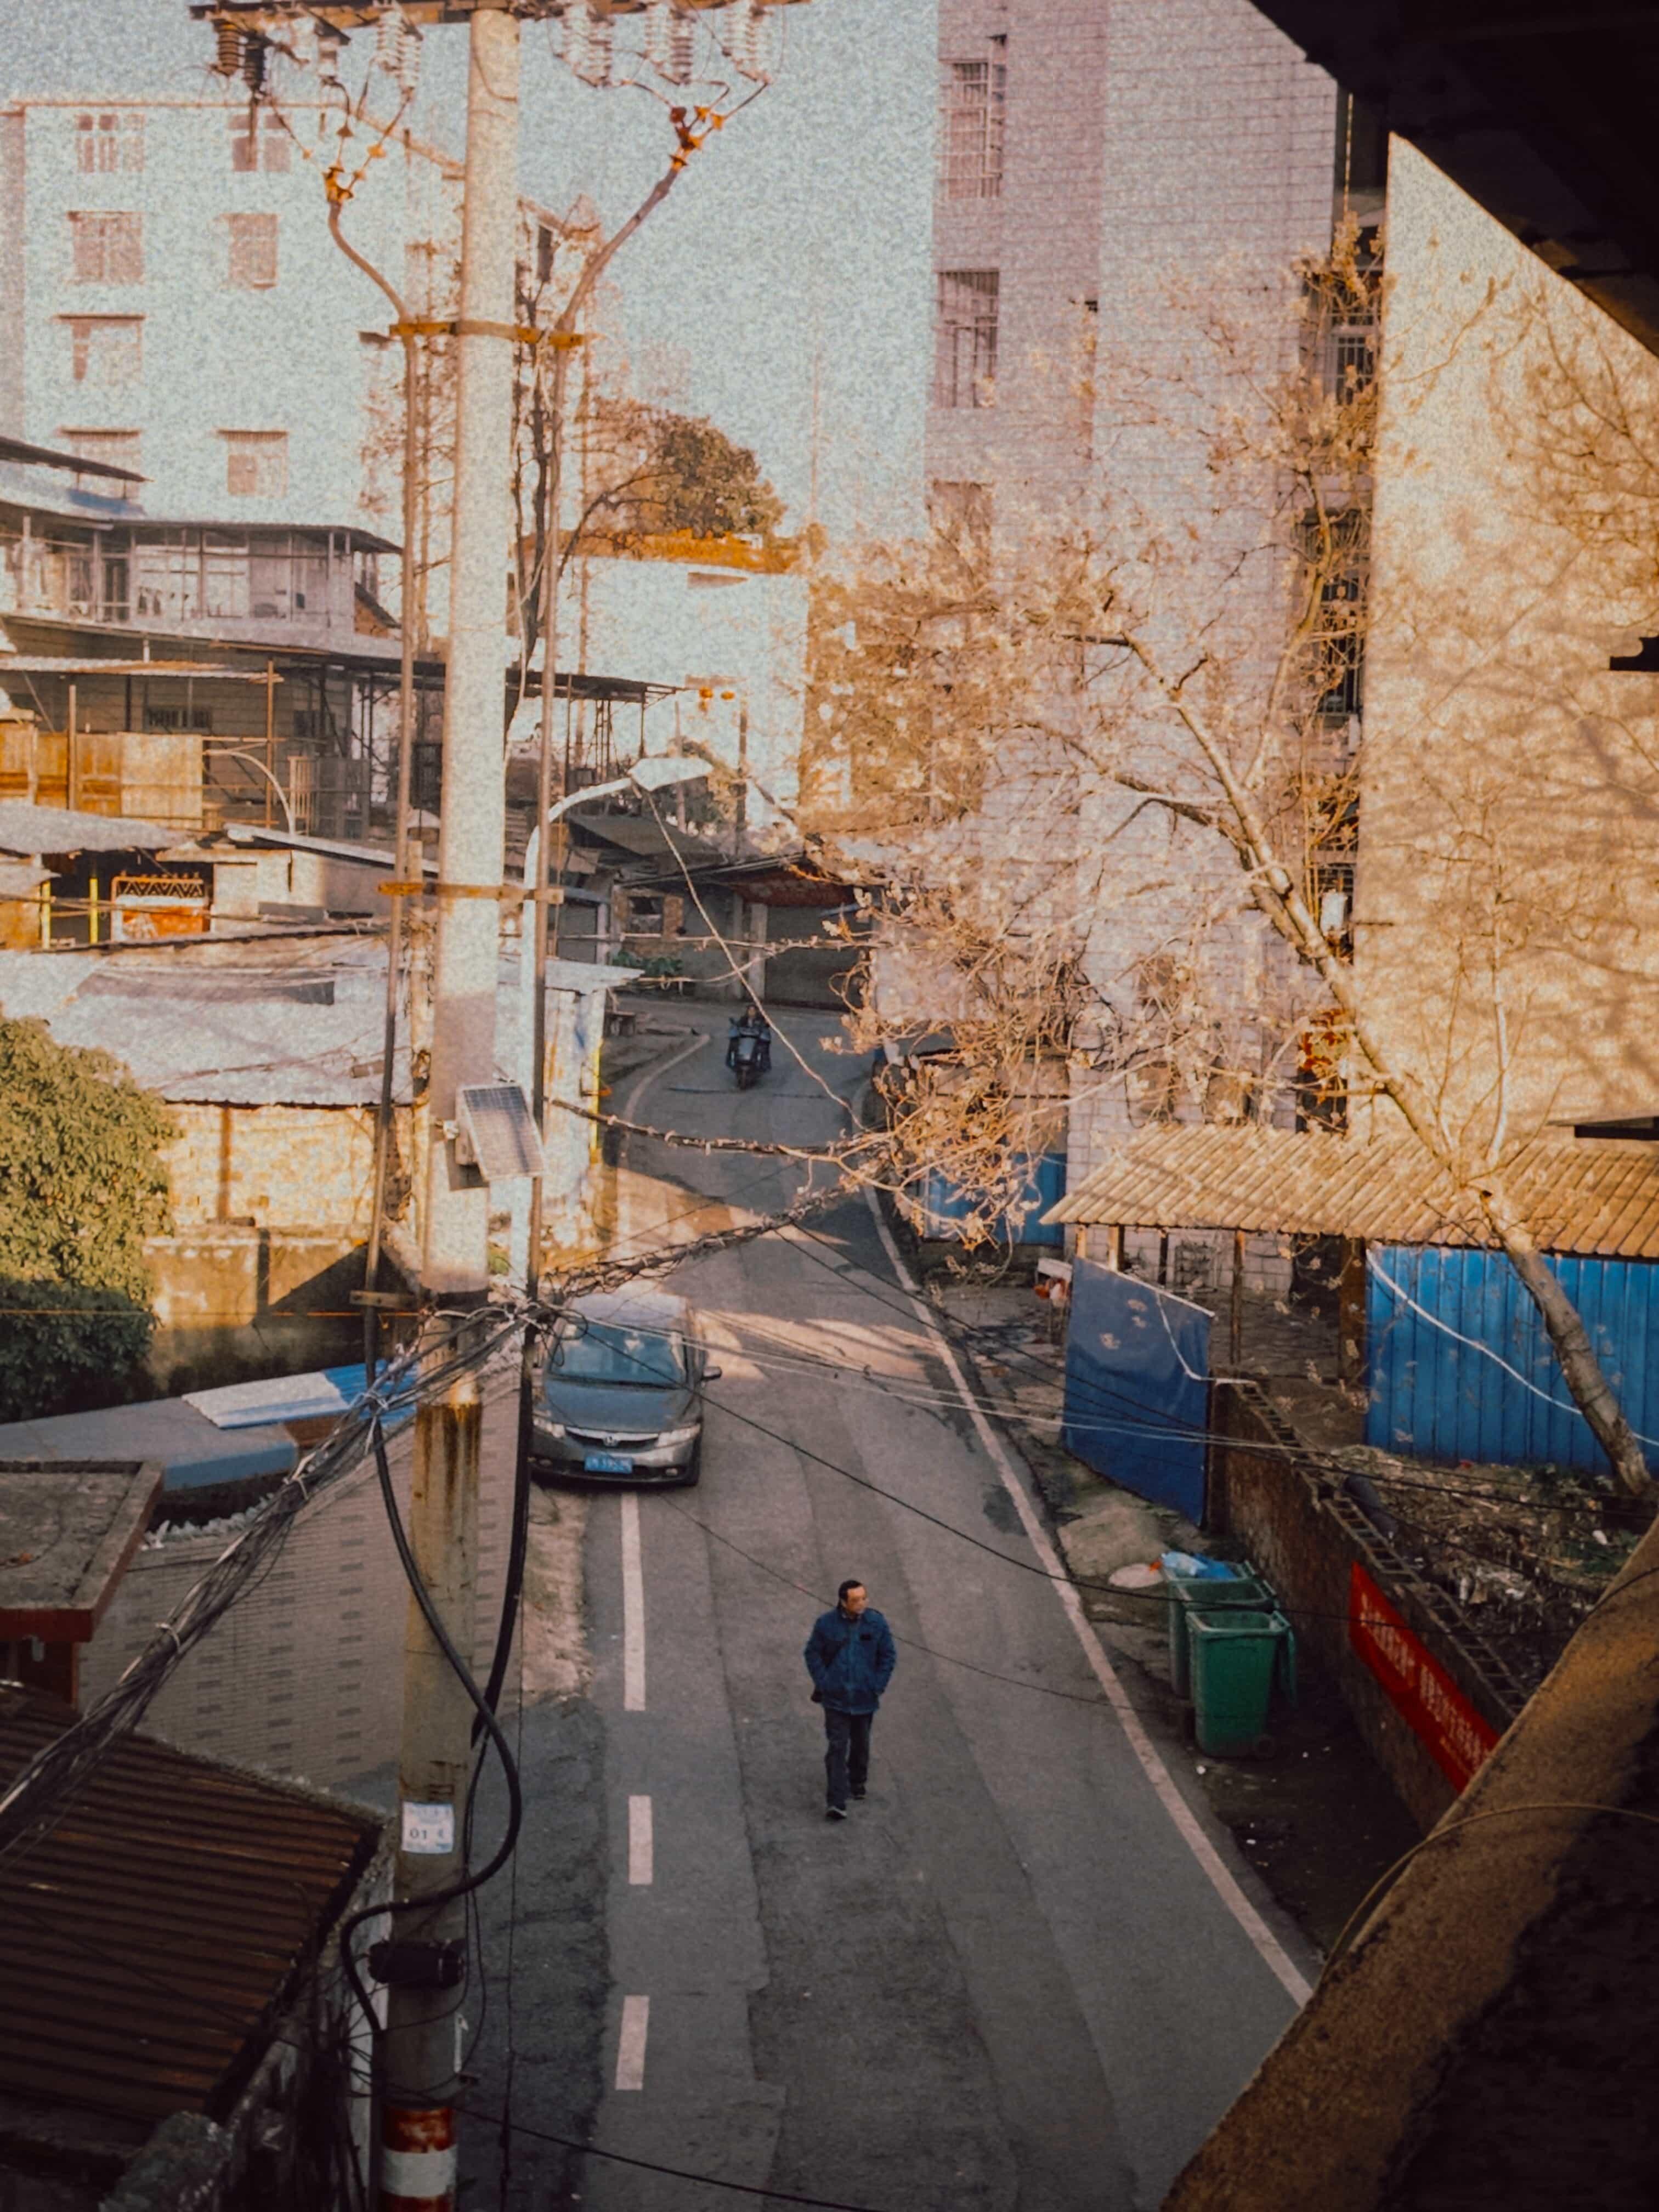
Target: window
179,718
1340,649
125,448
107,249
253,263
645,915
961,512
972,99
965,338
104,143
256,463
251,147
106,351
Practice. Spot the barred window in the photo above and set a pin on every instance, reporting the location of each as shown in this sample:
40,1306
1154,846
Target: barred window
972,99
123,447
106,142
252,260
256,463
107,248
965,338
960,511
250,147
106,351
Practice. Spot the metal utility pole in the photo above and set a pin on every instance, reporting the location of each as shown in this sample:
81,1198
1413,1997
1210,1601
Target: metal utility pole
421,2055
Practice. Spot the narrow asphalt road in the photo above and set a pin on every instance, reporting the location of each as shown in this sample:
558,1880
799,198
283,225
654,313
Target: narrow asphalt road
1009,1980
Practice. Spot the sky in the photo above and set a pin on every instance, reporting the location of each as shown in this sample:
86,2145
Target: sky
799,235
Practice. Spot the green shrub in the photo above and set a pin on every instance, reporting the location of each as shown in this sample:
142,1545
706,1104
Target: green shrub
81,1185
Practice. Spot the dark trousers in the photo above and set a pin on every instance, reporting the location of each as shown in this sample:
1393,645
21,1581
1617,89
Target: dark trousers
847,1758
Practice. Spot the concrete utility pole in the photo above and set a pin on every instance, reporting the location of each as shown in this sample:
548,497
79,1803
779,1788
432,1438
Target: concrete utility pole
420,2052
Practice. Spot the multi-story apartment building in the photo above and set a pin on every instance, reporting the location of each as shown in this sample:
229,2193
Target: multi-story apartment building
173,301
1111,178
1087,156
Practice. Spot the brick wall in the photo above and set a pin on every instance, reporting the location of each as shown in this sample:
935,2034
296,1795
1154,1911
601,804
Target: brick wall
304,1678
284,1167
1305,1536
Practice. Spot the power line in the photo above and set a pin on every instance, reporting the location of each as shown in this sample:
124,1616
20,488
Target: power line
673,2173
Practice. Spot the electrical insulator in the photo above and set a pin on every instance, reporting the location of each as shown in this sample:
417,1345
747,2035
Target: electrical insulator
256,52
589,42
670,41
746,35
227,49
398,49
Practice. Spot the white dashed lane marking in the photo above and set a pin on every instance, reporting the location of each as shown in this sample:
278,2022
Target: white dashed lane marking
639,1841
630,2044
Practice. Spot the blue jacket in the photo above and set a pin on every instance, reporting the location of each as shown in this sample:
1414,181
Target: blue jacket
851,1661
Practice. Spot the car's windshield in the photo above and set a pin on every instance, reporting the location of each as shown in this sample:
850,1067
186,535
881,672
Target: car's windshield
612,1352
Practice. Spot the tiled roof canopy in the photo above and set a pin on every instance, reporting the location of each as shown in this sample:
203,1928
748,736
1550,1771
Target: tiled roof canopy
1592,1196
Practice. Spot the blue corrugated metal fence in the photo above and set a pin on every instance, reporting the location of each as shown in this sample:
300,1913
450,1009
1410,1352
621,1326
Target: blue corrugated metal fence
943,1206
1461,1367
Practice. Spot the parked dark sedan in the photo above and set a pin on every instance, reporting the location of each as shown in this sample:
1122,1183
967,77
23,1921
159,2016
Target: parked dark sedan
619,1395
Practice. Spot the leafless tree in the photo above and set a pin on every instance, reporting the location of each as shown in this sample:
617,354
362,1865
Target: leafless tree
1151,706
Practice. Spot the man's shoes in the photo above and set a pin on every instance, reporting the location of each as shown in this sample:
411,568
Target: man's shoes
860,1793
834,1811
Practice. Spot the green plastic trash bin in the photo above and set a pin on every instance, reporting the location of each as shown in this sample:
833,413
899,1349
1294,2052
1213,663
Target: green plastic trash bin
1236,1654
1189,1594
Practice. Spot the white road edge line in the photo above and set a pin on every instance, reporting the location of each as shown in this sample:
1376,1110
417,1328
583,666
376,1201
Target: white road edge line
1271,1951
630,2044
640,1868
629,1111
632,1606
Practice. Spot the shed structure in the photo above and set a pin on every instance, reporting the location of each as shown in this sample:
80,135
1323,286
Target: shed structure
1457,1361
172,2006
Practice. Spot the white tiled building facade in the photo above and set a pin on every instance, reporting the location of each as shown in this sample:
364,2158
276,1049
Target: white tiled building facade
1088,154
1094,157
172,299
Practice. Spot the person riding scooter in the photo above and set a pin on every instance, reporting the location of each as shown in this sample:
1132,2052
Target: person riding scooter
750,1022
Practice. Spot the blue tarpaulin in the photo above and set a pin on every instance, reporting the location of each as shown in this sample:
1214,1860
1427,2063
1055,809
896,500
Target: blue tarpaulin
1137,1386
944,1206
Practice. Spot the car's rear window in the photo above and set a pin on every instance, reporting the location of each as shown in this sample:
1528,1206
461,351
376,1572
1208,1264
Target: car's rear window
612,1352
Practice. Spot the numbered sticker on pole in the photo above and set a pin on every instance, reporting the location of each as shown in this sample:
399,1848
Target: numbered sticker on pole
429,1830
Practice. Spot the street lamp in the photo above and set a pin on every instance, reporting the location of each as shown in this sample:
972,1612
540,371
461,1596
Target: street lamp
647,775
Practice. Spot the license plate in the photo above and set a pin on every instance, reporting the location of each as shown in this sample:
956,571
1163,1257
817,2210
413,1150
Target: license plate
607,1463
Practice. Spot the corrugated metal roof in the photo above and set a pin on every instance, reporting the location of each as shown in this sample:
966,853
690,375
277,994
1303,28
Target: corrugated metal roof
193,1453
219,1035
1599,1198
151,1935
26,829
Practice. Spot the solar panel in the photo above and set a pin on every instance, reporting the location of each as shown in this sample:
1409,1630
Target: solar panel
497,1131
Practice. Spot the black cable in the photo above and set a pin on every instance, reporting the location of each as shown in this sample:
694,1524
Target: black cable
466,1882
1099,1396
673,2173
1158,1597
519,1538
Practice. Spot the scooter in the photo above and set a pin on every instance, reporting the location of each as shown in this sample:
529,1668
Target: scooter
746,1058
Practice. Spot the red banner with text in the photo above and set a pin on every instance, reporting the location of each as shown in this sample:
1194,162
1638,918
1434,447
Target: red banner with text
1417,1686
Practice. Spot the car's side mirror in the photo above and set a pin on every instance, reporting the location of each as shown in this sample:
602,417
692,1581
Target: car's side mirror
711,1374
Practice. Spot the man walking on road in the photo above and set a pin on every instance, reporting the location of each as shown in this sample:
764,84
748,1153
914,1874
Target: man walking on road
851,1657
